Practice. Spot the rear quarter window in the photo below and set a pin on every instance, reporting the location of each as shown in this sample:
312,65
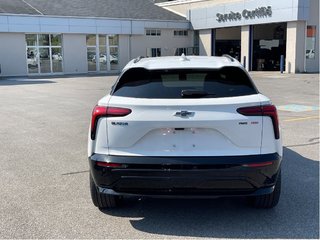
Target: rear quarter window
171,83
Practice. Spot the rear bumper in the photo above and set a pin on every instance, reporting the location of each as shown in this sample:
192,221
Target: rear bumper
186,176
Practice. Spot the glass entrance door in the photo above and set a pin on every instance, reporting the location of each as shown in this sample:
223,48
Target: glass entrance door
44,53
45,63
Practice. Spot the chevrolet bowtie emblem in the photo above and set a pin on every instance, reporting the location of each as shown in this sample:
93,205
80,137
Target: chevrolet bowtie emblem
184,114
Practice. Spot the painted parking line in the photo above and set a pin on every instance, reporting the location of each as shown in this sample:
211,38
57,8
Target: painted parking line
301,119
297,108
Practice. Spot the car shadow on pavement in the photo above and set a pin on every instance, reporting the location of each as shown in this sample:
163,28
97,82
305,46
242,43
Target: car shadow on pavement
296,216
10,82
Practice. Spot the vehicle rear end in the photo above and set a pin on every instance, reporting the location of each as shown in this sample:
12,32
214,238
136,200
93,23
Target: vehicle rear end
185,132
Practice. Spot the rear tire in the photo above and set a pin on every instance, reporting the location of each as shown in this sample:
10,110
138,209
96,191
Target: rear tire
268,200
102,200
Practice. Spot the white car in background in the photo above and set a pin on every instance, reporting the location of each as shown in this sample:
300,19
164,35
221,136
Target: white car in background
57,57
32,62
185,127
103,59
310,53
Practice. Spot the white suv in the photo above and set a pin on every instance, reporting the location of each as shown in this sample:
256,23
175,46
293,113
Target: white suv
185,127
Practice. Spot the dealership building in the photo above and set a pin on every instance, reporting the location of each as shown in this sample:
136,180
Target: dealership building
42,37
256,32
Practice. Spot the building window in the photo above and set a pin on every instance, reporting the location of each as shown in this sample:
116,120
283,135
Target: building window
92,52
102,52
311,42
153,32
153,52
180,51
180,33
44,53
187,51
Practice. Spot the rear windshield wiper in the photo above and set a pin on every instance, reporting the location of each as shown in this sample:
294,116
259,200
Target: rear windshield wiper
195,93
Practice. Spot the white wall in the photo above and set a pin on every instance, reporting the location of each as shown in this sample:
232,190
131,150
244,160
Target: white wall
245,45
124,46
75,53
13,59
205,43
167,42
295,56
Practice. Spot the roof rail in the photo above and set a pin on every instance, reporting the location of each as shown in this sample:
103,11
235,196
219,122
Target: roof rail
138,59
229,57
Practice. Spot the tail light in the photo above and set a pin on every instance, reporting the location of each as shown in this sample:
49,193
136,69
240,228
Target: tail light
267,110
110,165
100,111
254,165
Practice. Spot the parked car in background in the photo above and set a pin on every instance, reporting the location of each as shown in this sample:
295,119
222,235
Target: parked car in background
32,60
103,58
310,53
57,56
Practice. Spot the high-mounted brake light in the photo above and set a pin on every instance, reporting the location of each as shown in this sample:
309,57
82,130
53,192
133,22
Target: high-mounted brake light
267,110
100,111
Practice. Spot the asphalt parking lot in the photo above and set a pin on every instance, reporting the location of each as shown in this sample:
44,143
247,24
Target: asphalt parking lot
44,190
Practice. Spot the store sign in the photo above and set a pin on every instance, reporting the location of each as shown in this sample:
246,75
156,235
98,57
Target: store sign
260,12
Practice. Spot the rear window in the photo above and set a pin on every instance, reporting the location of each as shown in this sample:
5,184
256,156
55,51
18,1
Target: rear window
184,83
